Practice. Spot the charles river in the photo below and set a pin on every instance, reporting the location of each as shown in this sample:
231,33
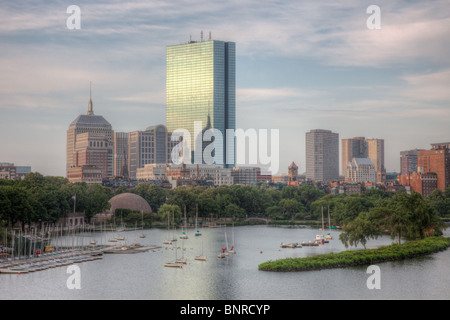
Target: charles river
143,275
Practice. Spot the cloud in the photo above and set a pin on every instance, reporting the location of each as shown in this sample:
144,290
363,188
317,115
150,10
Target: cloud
431,86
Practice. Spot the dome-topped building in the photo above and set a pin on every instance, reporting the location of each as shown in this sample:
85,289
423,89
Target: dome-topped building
90,142
129,201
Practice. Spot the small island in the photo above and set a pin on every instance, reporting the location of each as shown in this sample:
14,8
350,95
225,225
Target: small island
350,258
403,216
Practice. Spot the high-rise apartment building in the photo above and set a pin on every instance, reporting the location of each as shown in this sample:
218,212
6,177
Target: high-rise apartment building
322,155
201,87
92,124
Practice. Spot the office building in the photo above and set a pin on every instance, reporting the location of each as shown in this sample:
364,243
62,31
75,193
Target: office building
93,124
201,87
322,155
436,160
153,145
121,154
89,174
408,161
353,148
245,175
91,149
361,170
376,154
360,147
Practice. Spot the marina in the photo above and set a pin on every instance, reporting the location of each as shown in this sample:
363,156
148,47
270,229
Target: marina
155,274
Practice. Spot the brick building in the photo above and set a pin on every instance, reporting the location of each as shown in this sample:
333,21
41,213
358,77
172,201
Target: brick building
436,160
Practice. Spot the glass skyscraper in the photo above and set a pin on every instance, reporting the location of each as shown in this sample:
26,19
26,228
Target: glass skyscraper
201,86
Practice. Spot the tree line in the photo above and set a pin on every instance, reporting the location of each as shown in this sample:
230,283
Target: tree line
38,199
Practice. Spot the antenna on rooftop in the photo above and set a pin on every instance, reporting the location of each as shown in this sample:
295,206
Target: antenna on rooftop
201,35
210,35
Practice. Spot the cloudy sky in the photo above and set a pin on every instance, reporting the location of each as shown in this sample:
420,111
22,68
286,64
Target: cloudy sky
301,65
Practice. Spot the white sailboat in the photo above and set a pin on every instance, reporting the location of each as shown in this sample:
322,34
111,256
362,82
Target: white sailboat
168,241
320,237
184,235
197,233
224,252
232,250
328,236
176,263
142,222
201,257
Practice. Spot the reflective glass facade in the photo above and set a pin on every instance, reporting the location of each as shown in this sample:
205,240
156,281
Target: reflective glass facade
201,86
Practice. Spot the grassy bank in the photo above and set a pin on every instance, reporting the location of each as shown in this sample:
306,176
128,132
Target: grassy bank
359,257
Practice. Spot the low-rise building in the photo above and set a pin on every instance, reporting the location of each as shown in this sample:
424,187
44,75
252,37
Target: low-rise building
87,173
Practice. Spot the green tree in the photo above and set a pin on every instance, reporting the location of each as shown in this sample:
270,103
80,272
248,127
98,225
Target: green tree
234,211
360,230
289,207
170,212
97,200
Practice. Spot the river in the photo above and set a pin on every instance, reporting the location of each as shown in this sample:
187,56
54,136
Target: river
143,275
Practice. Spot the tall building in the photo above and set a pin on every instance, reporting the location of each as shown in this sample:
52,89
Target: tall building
322,155
93,124
360,147
376,154
201,86
91,149
436,160
353,148
120,153
146,147
408,161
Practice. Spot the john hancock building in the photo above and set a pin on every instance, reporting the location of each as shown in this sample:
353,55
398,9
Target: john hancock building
201,86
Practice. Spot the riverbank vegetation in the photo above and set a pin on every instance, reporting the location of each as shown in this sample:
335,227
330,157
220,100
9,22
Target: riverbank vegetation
350,258
39,199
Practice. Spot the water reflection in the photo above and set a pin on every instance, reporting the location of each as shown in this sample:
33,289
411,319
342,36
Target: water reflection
143,275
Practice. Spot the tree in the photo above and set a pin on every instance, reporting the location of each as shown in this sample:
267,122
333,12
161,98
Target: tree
234,211
170,212
154,195
360,230
97,201
274,212
289,207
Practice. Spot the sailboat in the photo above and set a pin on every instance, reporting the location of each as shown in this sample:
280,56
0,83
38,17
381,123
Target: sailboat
224,252
175,264
319,237
182,260
232,251
168,241
198,233
201,257
142,222
184,235
328,236
112,239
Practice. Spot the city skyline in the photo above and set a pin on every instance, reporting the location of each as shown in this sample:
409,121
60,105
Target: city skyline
299,66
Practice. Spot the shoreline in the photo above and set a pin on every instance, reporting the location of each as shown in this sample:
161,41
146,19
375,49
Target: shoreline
352,258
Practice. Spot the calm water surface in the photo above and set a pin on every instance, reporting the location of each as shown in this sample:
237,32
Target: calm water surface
143,275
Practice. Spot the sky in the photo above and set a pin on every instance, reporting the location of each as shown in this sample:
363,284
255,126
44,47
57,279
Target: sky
300,65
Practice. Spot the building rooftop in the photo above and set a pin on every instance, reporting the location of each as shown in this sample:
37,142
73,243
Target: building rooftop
90,120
